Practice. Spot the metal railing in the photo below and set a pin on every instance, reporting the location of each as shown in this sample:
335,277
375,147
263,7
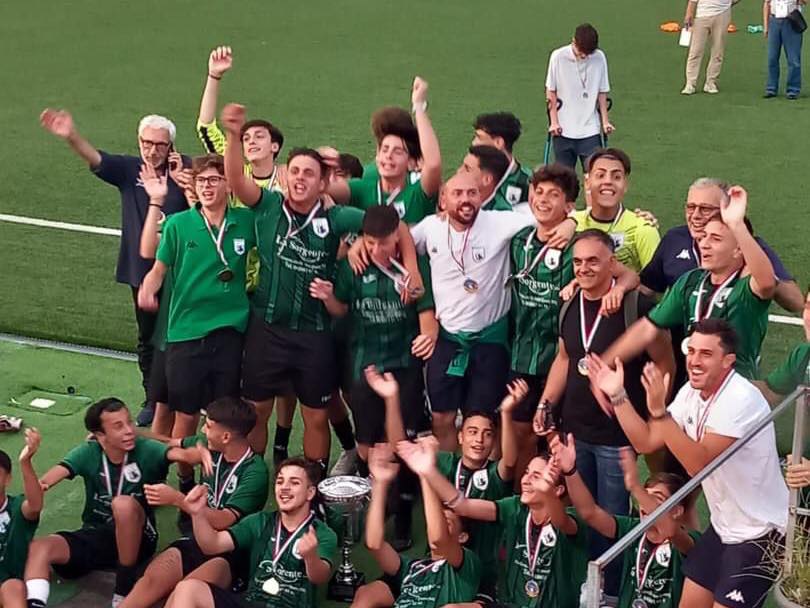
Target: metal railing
593,591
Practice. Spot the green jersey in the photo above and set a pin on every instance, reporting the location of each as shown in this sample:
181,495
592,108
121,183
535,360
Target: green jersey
693,297
634,239
539,275
515,188
411,202
382,327
791,373
146,463
293,250
485,484
496,202
429,583
660,566
547,563
201,302
274,556
16,533
241,486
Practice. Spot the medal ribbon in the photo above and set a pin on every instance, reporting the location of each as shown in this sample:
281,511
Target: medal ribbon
219,492
278,552
504,177
533,555
107,479
390,198
698,314
218,238
528,268
701,425
459,263
588,336
291,220
457,481
428,566
641,573
271,182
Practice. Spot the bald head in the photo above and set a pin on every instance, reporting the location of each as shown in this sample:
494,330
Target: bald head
461,198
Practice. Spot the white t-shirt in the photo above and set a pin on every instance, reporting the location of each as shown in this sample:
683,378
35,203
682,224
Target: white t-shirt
578,83
782,8
711,8
485,260
747,495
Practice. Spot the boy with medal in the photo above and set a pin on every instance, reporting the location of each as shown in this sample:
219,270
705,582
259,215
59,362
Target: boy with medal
118,525
546,545
19,518
651,571
501,130
237,483
290,550
735,282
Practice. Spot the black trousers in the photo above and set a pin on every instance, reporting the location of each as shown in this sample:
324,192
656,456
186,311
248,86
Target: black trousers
145,350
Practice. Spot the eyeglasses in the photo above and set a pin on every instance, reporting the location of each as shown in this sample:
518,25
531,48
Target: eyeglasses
211,180
692,208
161,146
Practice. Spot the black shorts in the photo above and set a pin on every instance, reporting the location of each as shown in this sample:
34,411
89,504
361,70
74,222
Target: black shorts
525,410
158,388
276,356
225,598
200,371
341,329
95,549
368,408
193,557
481,389
739,574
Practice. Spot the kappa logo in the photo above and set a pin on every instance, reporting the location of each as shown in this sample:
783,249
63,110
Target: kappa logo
480,480
400,207
191,245
320,226
552,259
735,596
132,473
139,183
239,246
513,195
683,255
478,254
617,238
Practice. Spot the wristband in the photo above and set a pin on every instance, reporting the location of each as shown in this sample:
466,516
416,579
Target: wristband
570,472
156,205
544,404
659,416
616,400
419,107
210,75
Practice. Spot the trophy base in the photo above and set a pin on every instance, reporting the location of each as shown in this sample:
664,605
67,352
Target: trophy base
342,590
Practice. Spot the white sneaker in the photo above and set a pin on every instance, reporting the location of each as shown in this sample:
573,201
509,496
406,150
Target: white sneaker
346,464
116,600
688,90
710,88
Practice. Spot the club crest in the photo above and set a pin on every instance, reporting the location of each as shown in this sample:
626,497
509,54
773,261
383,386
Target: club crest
617,238
239,246
513,195
552,259
548,536
320,226
663,555
480,480
231,487
478,254
400,207
132,473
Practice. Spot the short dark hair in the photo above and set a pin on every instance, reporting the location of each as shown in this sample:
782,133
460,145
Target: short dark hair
234,414
586,38
596,235
380,221
480,413
491,160
672,481
5,462
208,161
92,418
311,153
392,120
500,124
350,165
312,469
562,176
275,133
611,154
720,328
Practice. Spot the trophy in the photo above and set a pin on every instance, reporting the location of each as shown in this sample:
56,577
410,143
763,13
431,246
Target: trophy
345,499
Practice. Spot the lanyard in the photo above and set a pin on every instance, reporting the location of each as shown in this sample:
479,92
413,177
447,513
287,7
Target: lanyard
291,232
218,238
588,336
398,280
641,573
278,552
504,177
457,482
701,425
390,198
430,563
219,491
5,504
698,313
271,182
615,219
528,268
583,80
533,554
107,479
459,263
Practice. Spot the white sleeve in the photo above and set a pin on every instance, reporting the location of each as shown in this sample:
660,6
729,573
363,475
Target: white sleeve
508,223
551,75
677,409
737,415
419,235
604,82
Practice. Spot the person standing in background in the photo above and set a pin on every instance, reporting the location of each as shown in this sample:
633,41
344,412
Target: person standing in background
706,18
778,19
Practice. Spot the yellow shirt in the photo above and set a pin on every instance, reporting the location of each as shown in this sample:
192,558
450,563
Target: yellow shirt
634,240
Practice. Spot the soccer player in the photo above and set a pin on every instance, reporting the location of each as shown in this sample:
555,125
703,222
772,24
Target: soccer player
732,563
717,289
19,518
449,575
291,550
205,250
635,239
399,145
118,526
652,566
488,166
578,77
546,546
155,141
237,486
502,130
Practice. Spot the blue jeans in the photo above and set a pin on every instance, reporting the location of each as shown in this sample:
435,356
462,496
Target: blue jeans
599,467
781,34
568,151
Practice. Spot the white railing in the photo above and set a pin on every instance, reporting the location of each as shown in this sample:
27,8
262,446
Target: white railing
593,590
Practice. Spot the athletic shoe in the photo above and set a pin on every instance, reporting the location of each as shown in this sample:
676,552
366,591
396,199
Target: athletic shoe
711,89
10,424
346,463
116,600
792,96
769,94
688,90
146,415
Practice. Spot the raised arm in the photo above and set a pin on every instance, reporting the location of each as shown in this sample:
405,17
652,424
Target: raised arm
732,210
318,569
431,155
34,493
384,471
219,61
789,296
661,353
60,123
626,281
244,188
157,188
210,540
438,534
516,393
633,341
387,388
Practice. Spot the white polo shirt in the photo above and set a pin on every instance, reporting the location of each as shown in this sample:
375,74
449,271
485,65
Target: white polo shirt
782,8
485,259
747,495
578,83
711,8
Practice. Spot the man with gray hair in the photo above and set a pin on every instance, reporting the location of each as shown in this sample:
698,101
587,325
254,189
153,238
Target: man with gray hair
156,144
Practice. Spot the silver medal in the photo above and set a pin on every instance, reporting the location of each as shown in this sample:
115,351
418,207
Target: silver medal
271,586
582,366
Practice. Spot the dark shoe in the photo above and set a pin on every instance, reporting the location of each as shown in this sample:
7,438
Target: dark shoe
792,96
146,415
769,94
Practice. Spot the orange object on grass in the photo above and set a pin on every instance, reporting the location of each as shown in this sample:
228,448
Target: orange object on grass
670,26
732,28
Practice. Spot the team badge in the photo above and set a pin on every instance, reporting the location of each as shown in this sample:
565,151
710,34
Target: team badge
480,480
552,259
320,226
231,487
663,555
478,254
617,238
548,536
400,207
513,195
723,296
239,246
132,473
369,278
4,519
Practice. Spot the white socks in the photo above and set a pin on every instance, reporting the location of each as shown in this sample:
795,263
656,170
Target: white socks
38,590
